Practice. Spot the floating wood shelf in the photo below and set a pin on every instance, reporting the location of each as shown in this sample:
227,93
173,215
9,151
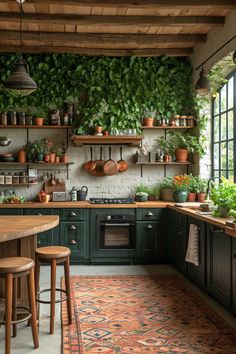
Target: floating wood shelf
36,163
36,126
18,184
168,127
164,163
129,140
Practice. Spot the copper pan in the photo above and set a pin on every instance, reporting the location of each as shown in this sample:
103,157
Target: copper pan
122,164
90,165
98,170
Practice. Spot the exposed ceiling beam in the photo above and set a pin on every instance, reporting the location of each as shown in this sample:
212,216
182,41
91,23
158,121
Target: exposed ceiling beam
145,52
137,3
113,20
104,38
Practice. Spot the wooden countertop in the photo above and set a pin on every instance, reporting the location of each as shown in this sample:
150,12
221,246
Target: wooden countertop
14,227
220,222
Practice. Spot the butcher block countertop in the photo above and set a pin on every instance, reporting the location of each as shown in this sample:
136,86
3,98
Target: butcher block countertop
14,227
220,222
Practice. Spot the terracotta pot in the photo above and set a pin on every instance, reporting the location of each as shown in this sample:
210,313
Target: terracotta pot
38,121
201,197
47,158
64,158
98,130
148,121
21,156
57,159
181,155
167,158
52,157
192,197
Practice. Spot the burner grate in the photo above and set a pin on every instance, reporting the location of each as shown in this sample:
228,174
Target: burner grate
111,200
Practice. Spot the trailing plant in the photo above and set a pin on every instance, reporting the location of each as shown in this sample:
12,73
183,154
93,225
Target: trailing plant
129,86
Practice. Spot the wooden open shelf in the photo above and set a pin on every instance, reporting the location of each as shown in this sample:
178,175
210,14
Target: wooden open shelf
129,140
168,127
35,163
18,184
164,163
36,126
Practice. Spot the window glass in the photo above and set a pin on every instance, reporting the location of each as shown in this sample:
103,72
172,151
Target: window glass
231,93
223,99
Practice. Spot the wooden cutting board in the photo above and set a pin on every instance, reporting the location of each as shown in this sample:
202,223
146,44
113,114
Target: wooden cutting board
59,187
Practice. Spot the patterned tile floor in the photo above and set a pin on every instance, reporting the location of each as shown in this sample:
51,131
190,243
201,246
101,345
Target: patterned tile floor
22,344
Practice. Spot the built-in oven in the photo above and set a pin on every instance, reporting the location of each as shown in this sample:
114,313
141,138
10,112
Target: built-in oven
113,239
115,231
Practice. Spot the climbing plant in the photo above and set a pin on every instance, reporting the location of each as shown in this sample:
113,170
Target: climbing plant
127,86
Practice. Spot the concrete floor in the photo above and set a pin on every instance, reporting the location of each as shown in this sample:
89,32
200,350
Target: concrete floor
51,344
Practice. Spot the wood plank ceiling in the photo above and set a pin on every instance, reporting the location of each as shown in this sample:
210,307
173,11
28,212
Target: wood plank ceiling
112,27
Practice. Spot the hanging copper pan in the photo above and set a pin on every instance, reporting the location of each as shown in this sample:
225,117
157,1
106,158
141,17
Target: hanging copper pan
90,165
110,167
122,164
98,170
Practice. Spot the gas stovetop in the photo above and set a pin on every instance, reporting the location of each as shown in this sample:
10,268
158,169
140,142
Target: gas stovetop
111,200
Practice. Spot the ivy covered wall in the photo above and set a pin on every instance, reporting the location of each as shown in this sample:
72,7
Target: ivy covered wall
127,86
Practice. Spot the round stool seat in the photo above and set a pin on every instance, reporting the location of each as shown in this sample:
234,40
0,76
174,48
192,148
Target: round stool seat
52,252
15,265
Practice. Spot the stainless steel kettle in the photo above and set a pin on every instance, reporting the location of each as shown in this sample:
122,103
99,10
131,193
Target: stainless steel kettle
82,193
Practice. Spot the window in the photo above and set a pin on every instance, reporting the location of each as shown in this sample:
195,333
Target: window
223,134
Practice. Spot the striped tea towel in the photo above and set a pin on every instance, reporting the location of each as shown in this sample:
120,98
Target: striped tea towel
192,255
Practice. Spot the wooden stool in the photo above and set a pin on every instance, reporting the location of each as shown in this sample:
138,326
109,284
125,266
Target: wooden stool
54,255
12,268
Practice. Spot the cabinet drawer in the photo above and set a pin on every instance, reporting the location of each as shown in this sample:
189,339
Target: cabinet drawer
149,214
39,211
72,214
11,211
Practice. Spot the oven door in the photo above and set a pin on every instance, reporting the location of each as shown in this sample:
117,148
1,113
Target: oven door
116,235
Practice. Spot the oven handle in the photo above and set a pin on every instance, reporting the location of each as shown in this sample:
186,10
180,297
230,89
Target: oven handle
117,224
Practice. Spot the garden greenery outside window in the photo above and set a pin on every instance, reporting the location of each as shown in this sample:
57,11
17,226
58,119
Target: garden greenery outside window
223,134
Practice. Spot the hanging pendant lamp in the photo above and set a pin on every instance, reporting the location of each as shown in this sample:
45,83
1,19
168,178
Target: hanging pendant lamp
203,85
20,83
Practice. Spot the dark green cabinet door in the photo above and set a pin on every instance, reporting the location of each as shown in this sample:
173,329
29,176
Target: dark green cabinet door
50,237
198,273
149,242
11,211
219,265
73,235
234,275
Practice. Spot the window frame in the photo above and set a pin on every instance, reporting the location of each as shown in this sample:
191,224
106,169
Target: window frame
227,140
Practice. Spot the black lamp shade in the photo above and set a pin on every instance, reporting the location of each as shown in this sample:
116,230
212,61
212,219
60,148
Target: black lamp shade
203,85
234,57
20,82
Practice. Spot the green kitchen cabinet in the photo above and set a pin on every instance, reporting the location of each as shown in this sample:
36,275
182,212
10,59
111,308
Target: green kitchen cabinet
149,246
11,211
234,275
219,258
177,245
49,237
74,234
197,273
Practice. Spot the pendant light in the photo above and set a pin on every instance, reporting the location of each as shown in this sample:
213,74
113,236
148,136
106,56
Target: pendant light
20,83
203,84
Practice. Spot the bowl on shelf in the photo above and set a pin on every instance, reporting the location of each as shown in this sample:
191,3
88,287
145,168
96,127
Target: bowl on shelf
5,142
7,158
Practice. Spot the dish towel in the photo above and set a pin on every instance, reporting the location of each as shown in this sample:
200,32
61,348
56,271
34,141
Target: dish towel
192,255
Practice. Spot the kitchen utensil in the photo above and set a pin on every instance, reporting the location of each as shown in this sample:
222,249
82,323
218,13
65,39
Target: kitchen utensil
98,170
90,165
58,196
53,180
110,167
122,164
82,193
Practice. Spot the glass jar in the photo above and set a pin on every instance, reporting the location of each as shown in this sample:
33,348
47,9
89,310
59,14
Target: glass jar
29,120
65,119
13,119
21,118
2,178
8,178
23,177
15,178
3,120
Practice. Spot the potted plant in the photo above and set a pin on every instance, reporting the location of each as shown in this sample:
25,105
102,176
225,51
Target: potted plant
61,153
184,144
181,186
166,188
201,186
167,147
148,119
98,121
141,196
39,117
40,149
224,197
193,188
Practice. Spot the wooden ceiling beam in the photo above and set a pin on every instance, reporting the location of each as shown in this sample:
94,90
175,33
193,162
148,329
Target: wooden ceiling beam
144,52
113,20
103,38
137,3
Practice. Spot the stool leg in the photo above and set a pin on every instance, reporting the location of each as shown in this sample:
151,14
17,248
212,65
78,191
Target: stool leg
67,283
32,303
53,294
8,302
14,304
37,274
